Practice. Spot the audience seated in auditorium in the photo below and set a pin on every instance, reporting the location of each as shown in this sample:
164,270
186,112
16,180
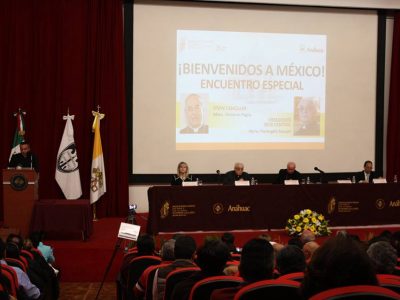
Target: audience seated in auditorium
211,258
290,260
296,241
29,290
256,263
185,247
340,261
307,236
167,257
40,272
383,257
309,249
229,239
47,251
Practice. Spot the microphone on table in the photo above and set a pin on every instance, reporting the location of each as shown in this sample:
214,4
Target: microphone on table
319,170
219,176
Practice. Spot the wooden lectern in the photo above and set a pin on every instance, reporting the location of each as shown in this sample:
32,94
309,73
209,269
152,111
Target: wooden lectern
20,192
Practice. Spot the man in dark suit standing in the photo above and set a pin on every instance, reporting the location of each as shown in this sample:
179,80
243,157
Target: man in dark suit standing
236,174
367,175
290,173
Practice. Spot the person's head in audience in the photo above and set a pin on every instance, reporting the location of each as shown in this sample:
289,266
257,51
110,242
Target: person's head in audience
12,250
307,236
290,260
36,238
395,241
28,245
185,247
16,239
229,239
212,257
167,250
296,241
145,245
238,168
277,247
257,260
340,261
383,256
265,236
309,249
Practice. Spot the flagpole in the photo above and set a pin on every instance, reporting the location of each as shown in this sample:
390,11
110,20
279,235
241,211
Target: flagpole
94,213
98,182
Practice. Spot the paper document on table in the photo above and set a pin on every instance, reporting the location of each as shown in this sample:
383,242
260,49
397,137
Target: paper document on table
128,231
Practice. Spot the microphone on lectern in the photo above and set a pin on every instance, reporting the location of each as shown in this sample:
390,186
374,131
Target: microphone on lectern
319,170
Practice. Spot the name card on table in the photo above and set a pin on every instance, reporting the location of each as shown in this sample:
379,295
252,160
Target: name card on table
379,180
242,182
345,181
128,231
190,183
291,182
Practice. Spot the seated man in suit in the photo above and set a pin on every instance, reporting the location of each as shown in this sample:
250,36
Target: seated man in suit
367,175
236,174
288,173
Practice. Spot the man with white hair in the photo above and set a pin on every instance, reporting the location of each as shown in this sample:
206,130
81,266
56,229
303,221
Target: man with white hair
290,173
194,115
237,174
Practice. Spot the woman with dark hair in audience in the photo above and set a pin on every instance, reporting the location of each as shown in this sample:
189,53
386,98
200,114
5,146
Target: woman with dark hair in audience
256,263
211,258
340,261
290,260
182,174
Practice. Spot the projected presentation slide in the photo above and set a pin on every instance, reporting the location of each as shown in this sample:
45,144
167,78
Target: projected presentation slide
247,90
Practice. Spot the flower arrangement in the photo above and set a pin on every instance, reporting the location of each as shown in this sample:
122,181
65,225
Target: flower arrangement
310,220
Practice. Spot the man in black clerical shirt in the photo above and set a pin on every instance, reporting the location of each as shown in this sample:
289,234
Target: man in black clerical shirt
289,173
236,174
25,159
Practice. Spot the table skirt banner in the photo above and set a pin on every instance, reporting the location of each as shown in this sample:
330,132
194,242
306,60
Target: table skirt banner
223,208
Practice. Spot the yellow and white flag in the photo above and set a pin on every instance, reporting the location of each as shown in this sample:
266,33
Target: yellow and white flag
98,174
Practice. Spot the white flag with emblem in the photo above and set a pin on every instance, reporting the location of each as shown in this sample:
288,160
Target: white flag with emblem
67,171
98,178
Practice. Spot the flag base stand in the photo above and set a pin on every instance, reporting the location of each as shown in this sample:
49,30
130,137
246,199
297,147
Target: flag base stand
94,213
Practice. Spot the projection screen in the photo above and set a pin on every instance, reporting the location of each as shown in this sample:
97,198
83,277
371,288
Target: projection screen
217,83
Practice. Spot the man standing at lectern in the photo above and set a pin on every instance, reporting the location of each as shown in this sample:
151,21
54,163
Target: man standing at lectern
25,159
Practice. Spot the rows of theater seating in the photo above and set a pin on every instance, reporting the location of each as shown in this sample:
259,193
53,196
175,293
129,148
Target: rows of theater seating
263,269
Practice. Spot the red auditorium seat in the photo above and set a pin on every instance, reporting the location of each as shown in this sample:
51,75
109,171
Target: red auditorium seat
175,277
270,289
296,276
203,289
362,292
388,281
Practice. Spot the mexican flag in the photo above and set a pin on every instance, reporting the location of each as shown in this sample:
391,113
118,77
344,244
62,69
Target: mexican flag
19,133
